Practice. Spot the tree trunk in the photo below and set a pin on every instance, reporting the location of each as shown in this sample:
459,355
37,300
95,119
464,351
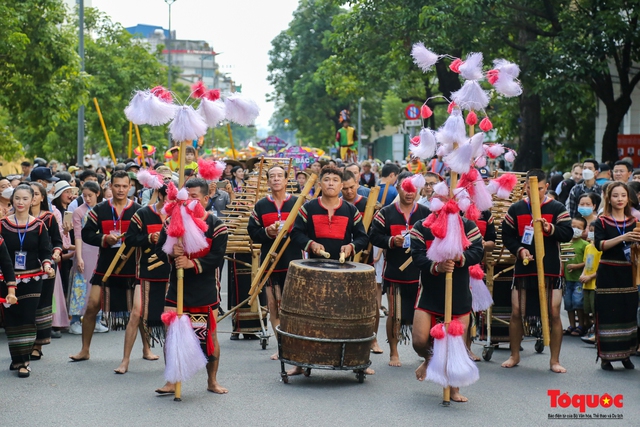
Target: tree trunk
530,149
615,115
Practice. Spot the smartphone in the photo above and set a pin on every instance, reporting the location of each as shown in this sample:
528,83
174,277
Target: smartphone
68,218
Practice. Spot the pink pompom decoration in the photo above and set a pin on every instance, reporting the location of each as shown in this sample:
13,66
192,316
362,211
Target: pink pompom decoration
426,112
210,170
472,118
455,65
476,272
437,331
451,106
454,239
492,76
212,95
198,89
168,317
481,162
495,151
150,179
162,93
464,203
456,328
415,140
510,156
472,214
486,124
503,185
467,179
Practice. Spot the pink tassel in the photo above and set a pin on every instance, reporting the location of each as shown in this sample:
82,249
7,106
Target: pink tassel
450,107
193,239
423,57
437,368
408,186
471,96
482,197
427,146
453,244
461,370
172,191
438,224
503,186
425,112
187,125
184,357
455,65
167,248
486,124
210,170
150,179
213,112
241,110
472,119
471,68
466,181
492,76
162,93
415,141
459,160
510,156
198,89
212,95
472,214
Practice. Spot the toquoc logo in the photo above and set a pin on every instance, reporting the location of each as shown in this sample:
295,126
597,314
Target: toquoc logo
583,401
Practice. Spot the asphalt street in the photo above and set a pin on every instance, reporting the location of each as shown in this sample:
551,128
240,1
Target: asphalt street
60,392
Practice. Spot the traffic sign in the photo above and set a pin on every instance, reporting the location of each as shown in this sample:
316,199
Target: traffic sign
413,123
412,112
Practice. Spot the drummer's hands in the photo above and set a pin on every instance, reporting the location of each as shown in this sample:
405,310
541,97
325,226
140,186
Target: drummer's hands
178,250
346,250
111,239
632,236
525,254
272,230
446,266
315,248
183,262
398,241
546,227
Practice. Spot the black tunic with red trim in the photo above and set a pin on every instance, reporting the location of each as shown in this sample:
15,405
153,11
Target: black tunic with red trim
486,226
389,222
144,223
264,214
36,243
200,284
7,275
51,222
432,284
360,203
518,217
101,220
344,227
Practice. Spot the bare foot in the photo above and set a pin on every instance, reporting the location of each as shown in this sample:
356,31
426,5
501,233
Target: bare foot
421,372
456,396
274,356
395,361
368,371
473,356
123,368
217,388
168,388
150,356
80,357
296,370
511,362
375,348
558,368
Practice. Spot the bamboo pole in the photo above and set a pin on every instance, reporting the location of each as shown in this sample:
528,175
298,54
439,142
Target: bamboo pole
143,163
180,271
130,149
369,210
114,261
104,129
448,293
124,261
233,150
539,257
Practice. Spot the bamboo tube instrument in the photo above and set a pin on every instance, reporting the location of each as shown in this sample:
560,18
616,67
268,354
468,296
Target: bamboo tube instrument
180,271
104,129
538,238
369,211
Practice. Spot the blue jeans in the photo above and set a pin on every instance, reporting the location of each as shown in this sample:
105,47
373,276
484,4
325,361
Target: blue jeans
573,298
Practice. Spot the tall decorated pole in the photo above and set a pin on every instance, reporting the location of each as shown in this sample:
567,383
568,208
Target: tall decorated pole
450,366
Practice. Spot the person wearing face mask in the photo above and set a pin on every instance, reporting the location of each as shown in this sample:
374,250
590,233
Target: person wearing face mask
588,185
6,190
587,205
573,298
42,175
588,280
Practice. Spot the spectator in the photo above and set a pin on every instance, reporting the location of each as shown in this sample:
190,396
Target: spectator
218,199
389,175
588,185
604,175
564,188
573,297
636,175
622,171
26,170
354,168
588,280
367,177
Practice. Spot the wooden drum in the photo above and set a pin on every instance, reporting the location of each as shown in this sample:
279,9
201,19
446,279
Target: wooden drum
333,302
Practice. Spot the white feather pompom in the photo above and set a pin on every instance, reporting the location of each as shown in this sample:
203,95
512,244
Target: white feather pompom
462,196
427,146
241,110
510,156
418,181
158,111
453,130
423,57
507,87
505,67
476,143
461,370
481,197
184,356
481,298
437,367
494,150
135,110
471,96
441,189
443,150
459,160
471,68
435,204
187,125
481,162
213,112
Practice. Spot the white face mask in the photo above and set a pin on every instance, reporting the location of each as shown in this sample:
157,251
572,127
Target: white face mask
132,191
7,193
577,232
587,174
590,235
49,186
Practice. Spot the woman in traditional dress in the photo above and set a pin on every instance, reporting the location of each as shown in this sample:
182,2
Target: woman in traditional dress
85,260
44,313
616,293
29,246
237,182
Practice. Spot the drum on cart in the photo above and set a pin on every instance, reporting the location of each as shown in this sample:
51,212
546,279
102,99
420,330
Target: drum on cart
327,316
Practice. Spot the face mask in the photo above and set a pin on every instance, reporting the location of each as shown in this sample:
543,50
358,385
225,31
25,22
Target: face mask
587,174
585,210
131,192
7,193
577,232
590,235
49,186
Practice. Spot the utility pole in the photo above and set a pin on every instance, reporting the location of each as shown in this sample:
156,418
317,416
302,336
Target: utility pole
80,147
359,130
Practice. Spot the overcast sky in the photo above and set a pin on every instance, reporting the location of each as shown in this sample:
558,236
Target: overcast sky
241,30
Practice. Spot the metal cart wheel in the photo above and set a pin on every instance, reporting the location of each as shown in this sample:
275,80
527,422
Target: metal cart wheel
360,376
487,353
307,372
285,378
264,342
539,346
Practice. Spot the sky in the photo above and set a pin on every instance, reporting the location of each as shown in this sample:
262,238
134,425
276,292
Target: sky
240,30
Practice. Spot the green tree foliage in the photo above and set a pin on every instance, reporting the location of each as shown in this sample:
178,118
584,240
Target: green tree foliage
40,82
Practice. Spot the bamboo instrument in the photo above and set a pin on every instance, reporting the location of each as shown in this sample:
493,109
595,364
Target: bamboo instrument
130,148
325,254
180,271
369,211
124,261
104,129
539,257
114,261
